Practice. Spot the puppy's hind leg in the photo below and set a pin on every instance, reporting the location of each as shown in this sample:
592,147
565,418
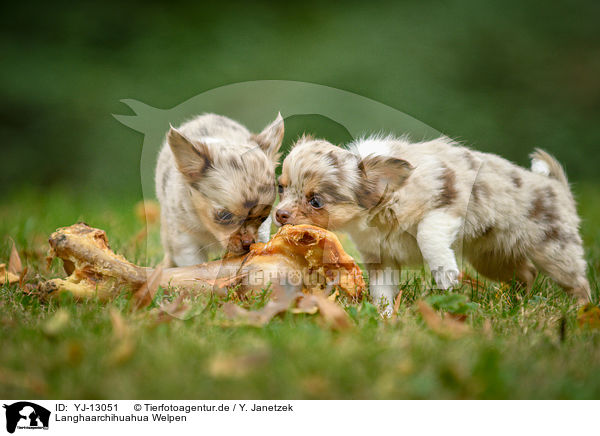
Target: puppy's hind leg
564,263
495,267
435,235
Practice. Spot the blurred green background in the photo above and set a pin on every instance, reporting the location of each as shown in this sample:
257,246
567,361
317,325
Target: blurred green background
504,76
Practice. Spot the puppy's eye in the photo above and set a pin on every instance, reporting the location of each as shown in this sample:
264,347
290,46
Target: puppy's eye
316,201
223,216
280,189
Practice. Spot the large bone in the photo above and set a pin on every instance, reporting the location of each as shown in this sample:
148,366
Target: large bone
298,258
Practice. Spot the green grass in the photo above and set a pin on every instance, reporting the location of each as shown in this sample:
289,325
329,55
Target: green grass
520,346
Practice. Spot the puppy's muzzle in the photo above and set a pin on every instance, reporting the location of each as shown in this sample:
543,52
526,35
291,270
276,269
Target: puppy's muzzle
247,241
240,244
283,217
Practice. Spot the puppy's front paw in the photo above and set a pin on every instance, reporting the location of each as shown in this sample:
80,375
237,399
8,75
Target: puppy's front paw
446,278
383,298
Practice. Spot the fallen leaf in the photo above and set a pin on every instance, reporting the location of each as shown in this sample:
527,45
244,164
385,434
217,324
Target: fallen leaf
145,294
589,316
397,302
22,278
221,366
7,276
225,283
229,365
122,352
147,211
177,308
120,328
232,310
124,346
14,263
460,317
57,323
305,305
466,279
316,385
256,318
332,313
74,352
447,326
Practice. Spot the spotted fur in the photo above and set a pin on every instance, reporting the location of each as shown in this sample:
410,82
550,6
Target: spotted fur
504,219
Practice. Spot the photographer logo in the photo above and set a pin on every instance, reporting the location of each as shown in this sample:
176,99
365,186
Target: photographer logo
24,415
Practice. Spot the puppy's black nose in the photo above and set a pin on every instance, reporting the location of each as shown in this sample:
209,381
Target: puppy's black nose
247,241
282,216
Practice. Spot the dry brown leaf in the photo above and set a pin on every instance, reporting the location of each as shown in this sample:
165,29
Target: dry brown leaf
123,338
145,294
306,305
333,314
226,282
20,380
256,318
14,263
154,316
7,276
397,302
122,352
74,352
22,278
177,308
147,211
447,327
316,385
466,279
589,316
227,365
119,326
460,317
232,310
223,365
57,323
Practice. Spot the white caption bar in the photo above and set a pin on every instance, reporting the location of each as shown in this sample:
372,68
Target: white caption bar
297,417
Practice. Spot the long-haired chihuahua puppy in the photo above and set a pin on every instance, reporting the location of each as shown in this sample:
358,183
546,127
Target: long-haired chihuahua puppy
216,185
403,203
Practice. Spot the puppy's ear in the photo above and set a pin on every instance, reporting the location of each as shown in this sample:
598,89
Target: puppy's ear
270,139
381,174
192,159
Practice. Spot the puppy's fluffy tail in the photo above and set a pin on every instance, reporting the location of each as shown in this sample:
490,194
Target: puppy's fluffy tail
544,164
